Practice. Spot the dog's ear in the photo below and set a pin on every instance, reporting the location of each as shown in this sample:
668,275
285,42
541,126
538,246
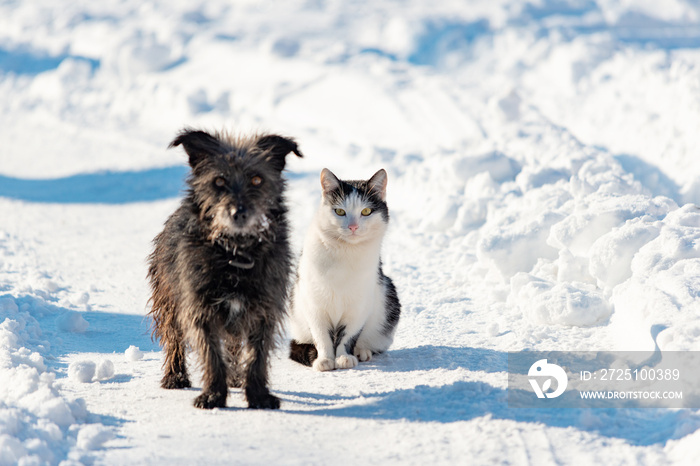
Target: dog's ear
277,148
198,145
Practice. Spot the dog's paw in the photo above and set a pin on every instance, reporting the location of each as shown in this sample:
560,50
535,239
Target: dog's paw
268,401
363,354
171,381
210,400
345,361
324,364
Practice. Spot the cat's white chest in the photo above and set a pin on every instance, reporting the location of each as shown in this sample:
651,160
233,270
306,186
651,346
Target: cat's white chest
342,283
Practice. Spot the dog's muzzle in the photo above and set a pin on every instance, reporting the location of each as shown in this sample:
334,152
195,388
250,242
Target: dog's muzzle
239,214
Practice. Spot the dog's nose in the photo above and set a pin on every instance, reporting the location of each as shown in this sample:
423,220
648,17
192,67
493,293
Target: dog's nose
240,215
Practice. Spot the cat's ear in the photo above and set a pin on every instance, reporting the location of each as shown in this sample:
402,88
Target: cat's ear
197,144
377,183
329,181
277,148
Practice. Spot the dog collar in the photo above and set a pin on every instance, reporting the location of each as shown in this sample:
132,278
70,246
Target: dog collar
246,263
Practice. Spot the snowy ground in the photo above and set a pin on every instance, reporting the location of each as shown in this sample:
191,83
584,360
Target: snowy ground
543,180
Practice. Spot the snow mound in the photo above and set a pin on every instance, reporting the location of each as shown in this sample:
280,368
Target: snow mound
568,246
82,371
662,291
133,353
35,420
105,370
612,253
558,303
88,371
71,321
93,436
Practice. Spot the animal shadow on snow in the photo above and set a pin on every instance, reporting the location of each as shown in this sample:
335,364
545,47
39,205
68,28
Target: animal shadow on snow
63,331
463,401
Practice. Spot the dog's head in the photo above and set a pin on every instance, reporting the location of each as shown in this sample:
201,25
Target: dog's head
236,182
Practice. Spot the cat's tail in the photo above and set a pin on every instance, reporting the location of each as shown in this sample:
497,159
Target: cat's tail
303,353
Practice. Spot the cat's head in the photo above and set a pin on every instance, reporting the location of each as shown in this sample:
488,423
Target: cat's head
354,211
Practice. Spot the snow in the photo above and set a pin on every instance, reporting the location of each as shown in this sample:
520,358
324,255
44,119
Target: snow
105,370
543,185
92,436
82,371
72,322
132,353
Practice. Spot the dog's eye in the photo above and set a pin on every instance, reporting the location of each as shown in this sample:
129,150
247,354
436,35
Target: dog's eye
219,182
340,212
256,181
366,211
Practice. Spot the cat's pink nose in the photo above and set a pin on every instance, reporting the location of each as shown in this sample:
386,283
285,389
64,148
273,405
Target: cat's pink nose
353,227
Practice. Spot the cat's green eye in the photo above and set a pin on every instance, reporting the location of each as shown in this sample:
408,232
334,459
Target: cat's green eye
340,212
366,211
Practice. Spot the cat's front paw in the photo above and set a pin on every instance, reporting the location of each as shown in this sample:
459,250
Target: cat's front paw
363,354
346,361
324,364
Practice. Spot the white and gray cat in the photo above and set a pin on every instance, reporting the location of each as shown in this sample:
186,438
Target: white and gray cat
344,308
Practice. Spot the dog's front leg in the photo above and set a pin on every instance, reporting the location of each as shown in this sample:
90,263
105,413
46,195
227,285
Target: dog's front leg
175,361
260,344
214,390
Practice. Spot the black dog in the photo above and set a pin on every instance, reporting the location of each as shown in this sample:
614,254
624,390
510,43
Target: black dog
220,268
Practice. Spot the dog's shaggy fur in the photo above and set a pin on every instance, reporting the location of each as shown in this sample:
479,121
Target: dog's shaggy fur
220,268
